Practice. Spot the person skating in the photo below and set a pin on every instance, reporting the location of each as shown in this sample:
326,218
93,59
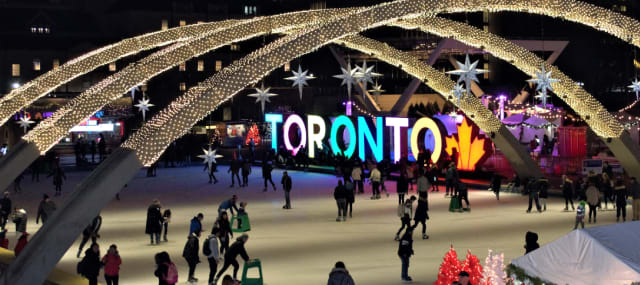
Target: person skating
339,275
5,210
58,179
593,199
266,175
191,254
567,192
45,209
286,186
22,242
228,205
242,211
621,194
154,221
90,265
451,179
211,251
166,270
405,251
496,184
237,248
234,169
375,178
211,172
196,224
580,215
166,219
543,184
463,194
634,193
402,187
384,167
112,262
340,195
356,175
223,227
405,212
20,218
350,191
91,231
246,171
422,183
422,214
533,190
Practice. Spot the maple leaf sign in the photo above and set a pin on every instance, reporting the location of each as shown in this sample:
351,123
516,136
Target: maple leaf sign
470,149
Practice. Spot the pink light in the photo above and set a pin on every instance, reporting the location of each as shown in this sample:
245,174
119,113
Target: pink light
297,120
396,124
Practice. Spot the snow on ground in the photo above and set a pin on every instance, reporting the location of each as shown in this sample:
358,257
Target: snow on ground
300,246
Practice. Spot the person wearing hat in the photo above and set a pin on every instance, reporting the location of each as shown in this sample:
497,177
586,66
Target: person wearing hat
340,275
580,214
463,278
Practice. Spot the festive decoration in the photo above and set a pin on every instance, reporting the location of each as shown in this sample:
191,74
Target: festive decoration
209,156
635,87
24,123
501,100
365,75
467,72
254,134
133,92
262,95
458,91
143,106
300,79
449,269
543,81
349,77
377,90
470,149
472,266
493,273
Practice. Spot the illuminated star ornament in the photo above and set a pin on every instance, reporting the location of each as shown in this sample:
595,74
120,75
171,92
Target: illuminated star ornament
133,92
543,81
348,77
365,74
209,156
300,79
377,90
635,87
458,91
143,106
24,123
262,95
467,72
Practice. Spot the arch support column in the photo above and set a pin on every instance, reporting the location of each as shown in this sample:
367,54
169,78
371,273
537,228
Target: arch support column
627,152
18,158
516,154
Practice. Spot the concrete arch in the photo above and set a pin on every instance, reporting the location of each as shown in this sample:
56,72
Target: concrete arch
596,115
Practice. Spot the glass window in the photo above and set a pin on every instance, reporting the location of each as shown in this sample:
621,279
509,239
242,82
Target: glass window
183,23
218,65
165,24
486,67
200,65
183,86
287,66
15,69
112,66
56,63
36,64
182,67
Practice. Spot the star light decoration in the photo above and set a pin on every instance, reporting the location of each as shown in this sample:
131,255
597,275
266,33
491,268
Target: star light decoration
366,74
543,81
349,77
458,91
24,123
300,79
133,92
143,106
209,156
377,90
262,95
635,87
467,72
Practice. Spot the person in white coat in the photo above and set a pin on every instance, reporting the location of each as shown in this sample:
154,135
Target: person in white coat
211,251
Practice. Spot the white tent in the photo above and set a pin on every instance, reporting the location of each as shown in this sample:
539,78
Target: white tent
598,255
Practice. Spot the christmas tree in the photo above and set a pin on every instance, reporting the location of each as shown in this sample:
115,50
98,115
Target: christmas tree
472,266
494,273
253,134
449,269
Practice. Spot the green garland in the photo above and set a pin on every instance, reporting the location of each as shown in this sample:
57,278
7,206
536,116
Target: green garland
521,275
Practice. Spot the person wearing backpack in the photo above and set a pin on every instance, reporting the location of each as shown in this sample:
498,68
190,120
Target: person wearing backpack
190,254
405,212
90,264
210,250
166,271
112,262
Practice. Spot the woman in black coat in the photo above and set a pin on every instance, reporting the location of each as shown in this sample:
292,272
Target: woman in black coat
402,187
422,215
190,254
154,221
91,264
567,192
223,225
405,251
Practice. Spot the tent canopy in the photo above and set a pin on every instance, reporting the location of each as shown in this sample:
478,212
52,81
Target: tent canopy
515,119
598,255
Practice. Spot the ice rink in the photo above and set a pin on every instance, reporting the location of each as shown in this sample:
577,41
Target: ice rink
301,245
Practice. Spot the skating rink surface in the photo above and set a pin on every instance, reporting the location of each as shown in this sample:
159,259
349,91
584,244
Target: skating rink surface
301,245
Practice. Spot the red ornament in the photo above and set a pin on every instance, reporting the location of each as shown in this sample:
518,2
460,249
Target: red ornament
473,267
449,269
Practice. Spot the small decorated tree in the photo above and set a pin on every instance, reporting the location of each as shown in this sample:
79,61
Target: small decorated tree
449,269
472,266
493,273
254,134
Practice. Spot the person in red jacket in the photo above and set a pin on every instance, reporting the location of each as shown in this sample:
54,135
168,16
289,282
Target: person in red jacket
112,262
22,242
